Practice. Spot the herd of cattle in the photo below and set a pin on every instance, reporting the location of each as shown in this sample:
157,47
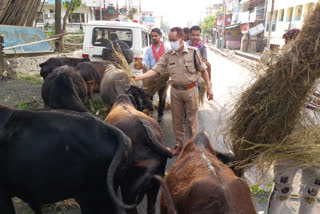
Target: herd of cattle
63,151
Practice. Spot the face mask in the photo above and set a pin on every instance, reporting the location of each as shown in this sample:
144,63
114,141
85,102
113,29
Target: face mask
175,45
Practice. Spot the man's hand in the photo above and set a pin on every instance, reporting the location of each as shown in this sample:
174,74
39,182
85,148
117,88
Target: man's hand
209,93
135,77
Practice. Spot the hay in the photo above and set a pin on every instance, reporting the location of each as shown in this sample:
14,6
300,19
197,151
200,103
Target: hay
119,60
302,146
268,111
202,91
154,84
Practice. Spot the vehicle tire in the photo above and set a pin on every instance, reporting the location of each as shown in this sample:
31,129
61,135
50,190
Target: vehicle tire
125,49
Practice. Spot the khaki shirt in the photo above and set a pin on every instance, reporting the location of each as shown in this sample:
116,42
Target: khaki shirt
181,68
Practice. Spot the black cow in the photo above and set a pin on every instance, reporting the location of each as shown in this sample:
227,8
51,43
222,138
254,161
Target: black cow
142,101
64,88
149,151
48,66
48,156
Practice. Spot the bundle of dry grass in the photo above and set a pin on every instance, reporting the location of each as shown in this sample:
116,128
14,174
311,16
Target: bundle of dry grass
154,84
202,91
119,60
268,111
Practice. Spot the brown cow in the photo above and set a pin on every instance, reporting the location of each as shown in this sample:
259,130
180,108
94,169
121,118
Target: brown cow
92,73
147,146
201,184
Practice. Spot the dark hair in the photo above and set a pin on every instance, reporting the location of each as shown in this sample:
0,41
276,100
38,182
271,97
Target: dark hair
186,30
156,30
179,31
196,28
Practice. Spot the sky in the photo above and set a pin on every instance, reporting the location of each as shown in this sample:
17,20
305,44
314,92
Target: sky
178,13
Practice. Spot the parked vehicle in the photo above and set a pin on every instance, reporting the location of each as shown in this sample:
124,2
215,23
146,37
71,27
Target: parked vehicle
99,34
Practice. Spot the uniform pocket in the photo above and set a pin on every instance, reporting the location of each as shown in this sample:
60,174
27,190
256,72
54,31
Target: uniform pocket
190,67
172,66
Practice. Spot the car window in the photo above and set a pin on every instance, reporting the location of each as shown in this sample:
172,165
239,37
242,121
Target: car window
145,38
102,36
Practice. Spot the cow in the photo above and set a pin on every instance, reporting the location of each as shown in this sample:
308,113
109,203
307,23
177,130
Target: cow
147,147
64,88
48,156
92,73
48,66
116,82
200,183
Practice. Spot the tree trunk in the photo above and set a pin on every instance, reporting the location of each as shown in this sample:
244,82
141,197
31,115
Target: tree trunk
58,23
65,22
33,13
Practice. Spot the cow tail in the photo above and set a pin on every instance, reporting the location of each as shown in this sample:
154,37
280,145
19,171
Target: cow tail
124,146
166,192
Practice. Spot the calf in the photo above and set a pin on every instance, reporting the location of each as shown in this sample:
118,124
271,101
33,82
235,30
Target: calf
92,73
148,148
48,156
200,183
64,89
48,66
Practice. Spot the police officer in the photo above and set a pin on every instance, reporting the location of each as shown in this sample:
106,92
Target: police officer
183,64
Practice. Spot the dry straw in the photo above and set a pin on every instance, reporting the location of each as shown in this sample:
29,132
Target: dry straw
268,111
119,60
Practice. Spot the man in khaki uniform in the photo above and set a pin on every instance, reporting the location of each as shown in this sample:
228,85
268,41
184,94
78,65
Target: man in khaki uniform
180,64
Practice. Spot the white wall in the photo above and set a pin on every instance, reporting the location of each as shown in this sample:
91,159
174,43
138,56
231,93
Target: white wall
283,26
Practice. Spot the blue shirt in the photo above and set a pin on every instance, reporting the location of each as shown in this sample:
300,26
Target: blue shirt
149,59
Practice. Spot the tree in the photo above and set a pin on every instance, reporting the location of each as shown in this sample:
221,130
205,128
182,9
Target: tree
131,13
18,12
208,23
74,5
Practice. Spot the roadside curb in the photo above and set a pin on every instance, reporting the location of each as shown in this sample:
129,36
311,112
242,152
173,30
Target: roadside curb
247,55
219,51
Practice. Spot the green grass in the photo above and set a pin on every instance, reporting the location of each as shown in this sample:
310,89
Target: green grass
34,79
257,190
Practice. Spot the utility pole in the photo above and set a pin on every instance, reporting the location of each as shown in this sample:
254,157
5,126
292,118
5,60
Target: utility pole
140,14
58,23
270,24
100,10
223,23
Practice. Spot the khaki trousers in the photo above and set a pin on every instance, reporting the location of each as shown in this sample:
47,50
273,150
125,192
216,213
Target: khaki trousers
181,101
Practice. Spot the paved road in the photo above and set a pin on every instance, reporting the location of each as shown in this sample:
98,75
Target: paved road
229,80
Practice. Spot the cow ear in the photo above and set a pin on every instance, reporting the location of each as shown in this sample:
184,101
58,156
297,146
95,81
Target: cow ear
202,139
226,158
154,139
42,64
5,114
132,100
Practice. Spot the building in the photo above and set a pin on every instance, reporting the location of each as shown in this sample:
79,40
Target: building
288,14
46,15
84,14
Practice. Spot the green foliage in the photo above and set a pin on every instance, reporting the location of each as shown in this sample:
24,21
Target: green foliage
131,13
257,190
208,23
35,79
76,4
22,106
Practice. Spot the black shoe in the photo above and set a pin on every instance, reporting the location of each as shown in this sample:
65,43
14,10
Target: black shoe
160,118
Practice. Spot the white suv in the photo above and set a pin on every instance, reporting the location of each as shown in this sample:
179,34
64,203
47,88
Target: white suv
97,34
